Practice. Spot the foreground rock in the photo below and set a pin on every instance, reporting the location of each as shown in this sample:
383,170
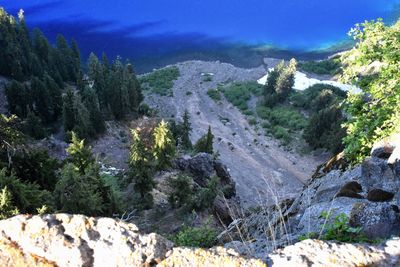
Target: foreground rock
77,240
322,253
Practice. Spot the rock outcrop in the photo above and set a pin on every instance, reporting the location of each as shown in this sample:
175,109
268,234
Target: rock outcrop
367,194
76,240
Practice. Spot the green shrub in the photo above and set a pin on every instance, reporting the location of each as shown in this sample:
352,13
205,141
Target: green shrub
239,93
340,230
374,113
304,99
329,66
204,198
207,77
280,133
182,191
7,209
214,94
160,81
27,197
252,121
204,237
36,166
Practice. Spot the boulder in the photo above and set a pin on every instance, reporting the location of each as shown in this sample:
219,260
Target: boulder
227,183
335,254
218,256
377,220
77,240
379,195
226,209
200,166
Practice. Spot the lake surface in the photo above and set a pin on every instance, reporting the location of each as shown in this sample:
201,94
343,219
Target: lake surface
156,32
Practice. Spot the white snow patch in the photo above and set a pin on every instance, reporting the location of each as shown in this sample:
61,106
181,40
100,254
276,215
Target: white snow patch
302,82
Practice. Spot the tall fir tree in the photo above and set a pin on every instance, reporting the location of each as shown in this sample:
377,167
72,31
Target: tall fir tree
186,129
141,168
164,146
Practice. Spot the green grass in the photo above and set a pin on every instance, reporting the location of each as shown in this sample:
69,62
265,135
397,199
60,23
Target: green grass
160,81
214,94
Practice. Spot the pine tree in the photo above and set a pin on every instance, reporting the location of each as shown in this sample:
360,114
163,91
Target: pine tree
69,111
42,100
285,81
141,169
186,129
80,155
55,96
33,126
205,143
164,145
7,209
91,102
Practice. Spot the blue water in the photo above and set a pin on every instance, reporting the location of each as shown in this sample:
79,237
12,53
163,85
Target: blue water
139,28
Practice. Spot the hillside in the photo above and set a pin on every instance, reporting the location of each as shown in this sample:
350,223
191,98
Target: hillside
253,159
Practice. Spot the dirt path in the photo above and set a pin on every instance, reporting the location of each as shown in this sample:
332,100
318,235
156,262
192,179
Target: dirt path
263,171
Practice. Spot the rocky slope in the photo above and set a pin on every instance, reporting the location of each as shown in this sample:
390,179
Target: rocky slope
263,171
368,195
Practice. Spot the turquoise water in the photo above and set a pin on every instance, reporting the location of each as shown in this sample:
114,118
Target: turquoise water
140,29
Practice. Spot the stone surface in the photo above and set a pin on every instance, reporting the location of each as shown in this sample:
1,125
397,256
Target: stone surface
377,220
77,240
183,257
319,253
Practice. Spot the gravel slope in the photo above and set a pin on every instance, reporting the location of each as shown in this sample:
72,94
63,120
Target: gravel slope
263,171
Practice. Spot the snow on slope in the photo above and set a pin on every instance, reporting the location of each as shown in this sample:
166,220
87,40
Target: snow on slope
302,82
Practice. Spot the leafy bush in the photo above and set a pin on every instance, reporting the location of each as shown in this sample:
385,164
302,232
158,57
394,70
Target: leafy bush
204,237
160,81
182,191
304,99
239,93
205,196
340,230
207,77
281,133
214,94
374,114
329,66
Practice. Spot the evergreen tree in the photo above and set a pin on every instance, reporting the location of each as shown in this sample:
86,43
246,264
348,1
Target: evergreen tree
7,209
91,102
54,92
205,143
285,81
164,145
76,56
33,126
141,169
68,110
42,100
80,155
19,99
186,129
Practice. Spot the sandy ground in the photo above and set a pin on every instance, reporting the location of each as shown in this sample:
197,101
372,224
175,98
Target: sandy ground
263,171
